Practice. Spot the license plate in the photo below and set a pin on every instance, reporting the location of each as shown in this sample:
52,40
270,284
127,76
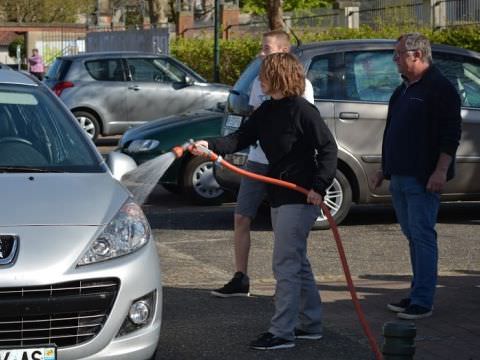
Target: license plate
234,121
37,353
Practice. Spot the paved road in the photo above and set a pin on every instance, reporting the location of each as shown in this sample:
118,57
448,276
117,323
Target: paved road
195,247
196,252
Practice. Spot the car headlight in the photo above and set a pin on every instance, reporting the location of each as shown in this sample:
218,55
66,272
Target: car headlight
143,145
127,232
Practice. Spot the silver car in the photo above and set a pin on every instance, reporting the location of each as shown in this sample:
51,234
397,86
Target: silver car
111,92
79,270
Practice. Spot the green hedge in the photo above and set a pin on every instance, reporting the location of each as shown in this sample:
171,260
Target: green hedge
236,54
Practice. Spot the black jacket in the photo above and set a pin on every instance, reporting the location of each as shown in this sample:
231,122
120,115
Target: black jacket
423,121
296,142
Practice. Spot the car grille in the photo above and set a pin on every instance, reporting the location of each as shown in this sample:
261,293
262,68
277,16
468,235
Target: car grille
64,314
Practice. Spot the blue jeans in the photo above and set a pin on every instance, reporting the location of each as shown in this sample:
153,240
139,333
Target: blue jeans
416,210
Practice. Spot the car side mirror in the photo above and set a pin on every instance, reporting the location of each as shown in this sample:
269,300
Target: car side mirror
221,106
187,80
238,103
119,164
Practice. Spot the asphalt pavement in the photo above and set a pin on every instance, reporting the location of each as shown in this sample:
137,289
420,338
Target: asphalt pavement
195,246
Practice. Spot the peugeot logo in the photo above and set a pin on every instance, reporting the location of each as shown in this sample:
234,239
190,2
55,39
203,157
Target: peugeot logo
8,248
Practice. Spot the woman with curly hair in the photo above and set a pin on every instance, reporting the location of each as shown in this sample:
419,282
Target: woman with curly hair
300,149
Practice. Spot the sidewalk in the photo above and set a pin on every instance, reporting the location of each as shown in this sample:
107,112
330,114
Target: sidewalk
196,252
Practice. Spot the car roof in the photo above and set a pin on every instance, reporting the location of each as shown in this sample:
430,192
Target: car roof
364,44
7,76
346,43
111,54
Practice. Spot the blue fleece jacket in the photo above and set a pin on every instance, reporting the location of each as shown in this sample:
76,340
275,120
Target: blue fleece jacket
423,121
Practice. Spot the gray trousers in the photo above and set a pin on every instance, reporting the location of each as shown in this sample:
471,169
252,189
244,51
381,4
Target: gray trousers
297,300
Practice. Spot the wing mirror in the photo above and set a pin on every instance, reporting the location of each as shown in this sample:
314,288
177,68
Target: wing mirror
238,103
119,164
221,106
187,80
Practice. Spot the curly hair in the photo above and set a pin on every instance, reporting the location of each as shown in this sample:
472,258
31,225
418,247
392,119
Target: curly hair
283,73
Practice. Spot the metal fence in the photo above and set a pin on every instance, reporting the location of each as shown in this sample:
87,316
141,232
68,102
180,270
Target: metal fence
395,13
460,12
154,40
60,42
437,14
374,13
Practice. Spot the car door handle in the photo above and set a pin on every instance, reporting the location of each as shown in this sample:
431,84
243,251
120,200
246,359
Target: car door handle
134,87
349,116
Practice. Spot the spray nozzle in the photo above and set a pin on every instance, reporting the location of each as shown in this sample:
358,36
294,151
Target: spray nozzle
179,150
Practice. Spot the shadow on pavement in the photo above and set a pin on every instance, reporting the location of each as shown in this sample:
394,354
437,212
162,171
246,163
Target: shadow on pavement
451,333
221,217
199,326
449,213
107,141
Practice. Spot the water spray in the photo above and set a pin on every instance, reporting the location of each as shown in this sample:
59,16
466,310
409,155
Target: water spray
205,152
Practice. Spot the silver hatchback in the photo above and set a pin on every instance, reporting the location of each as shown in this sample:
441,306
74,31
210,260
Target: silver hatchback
79,269
111,92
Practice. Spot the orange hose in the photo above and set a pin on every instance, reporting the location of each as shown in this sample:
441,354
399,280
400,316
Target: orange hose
343,259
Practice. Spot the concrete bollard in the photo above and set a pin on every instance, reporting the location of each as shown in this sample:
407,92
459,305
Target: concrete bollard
399,341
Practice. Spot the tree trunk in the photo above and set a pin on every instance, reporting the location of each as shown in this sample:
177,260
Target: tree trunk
157,9
275,14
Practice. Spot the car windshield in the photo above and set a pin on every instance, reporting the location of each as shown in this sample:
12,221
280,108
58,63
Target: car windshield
36,134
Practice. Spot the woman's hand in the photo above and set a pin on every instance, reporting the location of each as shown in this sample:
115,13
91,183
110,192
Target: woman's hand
197,147
314,198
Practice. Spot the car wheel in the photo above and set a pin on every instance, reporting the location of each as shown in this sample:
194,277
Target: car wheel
89,123
338,200
200,184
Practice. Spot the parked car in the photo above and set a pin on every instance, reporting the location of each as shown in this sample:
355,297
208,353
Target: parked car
111,92
79,269
192,176
353,81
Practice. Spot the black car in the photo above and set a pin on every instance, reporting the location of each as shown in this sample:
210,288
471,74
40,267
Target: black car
192,176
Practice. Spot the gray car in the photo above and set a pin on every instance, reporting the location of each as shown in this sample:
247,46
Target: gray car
353,81
111,92
79,269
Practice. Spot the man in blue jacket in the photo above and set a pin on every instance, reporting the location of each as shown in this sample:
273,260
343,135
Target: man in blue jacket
421,138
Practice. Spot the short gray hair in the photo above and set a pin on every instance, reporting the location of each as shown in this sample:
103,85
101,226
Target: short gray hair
417,41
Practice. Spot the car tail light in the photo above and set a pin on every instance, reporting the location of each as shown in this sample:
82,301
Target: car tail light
59,87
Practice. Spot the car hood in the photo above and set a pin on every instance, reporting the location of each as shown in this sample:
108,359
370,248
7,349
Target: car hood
152,127
59,199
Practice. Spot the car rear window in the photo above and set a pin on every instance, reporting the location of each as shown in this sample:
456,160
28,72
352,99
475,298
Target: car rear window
58,69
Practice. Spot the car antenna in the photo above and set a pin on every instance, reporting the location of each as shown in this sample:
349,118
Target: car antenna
297,39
